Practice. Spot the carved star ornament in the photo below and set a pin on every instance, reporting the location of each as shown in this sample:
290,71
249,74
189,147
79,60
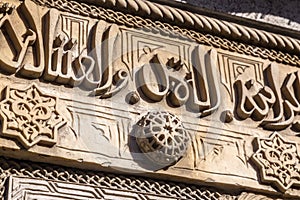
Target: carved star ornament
30,116
278,161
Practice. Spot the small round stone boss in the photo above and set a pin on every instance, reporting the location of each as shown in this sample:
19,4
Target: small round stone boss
162,137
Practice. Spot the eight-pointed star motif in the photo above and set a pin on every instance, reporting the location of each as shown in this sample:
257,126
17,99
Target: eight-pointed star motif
278,161
30,116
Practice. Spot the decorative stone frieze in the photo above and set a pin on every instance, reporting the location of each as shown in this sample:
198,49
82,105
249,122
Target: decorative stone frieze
21,179
28,179
279,97
143,84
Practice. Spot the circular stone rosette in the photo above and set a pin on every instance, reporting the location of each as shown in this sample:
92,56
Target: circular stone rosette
162,138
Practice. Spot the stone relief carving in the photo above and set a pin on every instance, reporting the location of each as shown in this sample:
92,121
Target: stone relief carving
196,88
278,161
84,65
233,68
27,35
24,176
68,58
79,51
29,189
162,137
30,116
209,24
65,57
167,14
275,104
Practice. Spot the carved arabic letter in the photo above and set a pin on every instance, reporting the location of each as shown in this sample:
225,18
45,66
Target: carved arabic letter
288,107
296,123
253,100
103,44
272,74
211,61
51,71
179,92
287,100
121,79
80,64
33,17
153,80
65,54
289,90
60,53
205,94
94,73
18,38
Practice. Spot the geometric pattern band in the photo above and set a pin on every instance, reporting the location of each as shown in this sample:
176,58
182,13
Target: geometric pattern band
103,181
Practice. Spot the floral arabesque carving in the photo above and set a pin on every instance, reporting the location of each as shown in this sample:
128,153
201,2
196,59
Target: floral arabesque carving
162,138
30,116
278,161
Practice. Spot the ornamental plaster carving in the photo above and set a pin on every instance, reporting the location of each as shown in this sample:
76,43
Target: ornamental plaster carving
226,83
162,137
280,98
87,57
278,161
30,116
51,182
186,19
26,178
211,25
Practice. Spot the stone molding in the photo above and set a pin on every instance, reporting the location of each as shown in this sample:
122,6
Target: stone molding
199,22
17,168
102,181
153,44
265,42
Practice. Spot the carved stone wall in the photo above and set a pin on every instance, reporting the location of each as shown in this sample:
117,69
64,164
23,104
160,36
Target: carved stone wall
146,90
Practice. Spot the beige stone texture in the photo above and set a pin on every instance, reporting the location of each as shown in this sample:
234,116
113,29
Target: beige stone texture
145,90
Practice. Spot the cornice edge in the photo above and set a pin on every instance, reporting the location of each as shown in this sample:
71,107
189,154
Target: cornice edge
202,23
